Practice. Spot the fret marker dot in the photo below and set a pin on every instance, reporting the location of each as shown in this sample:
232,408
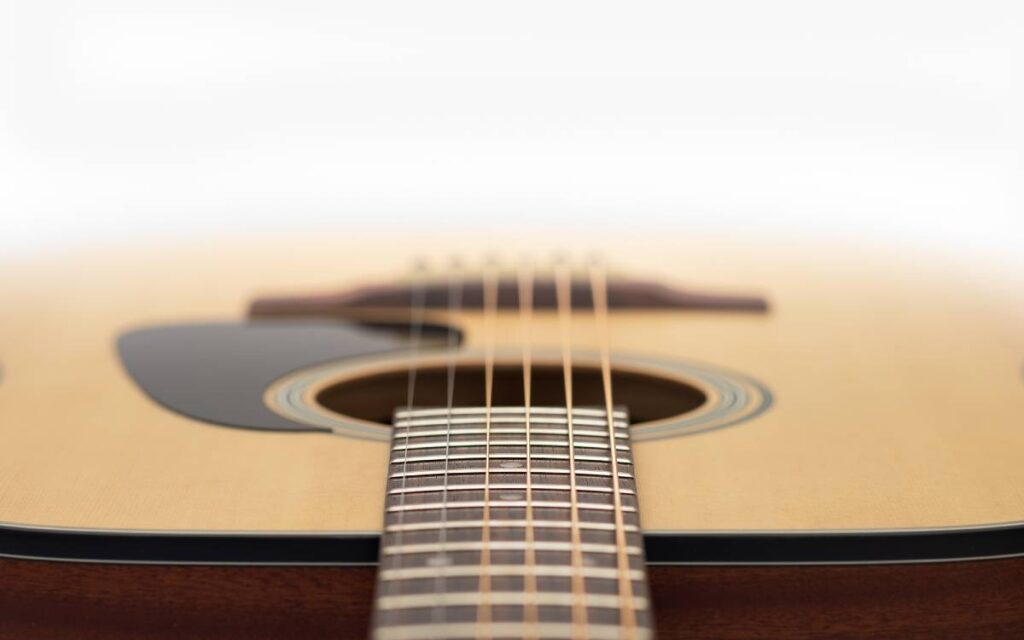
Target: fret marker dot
511,464
509,496
439,561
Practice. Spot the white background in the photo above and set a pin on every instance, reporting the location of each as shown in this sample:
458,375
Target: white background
894,121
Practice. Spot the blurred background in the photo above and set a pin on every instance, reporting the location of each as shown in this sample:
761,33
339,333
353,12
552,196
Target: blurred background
887,122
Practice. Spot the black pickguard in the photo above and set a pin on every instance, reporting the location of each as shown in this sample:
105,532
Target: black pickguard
218,373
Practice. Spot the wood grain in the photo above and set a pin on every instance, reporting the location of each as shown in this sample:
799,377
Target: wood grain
50,601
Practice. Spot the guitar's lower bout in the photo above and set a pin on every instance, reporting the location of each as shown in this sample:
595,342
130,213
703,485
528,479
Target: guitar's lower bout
92,601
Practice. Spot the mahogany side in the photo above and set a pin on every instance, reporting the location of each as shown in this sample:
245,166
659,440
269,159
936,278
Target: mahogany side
50,600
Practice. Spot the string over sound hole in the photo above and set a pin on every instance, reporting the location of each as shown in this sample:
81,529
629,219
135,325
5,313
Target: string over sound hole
374,397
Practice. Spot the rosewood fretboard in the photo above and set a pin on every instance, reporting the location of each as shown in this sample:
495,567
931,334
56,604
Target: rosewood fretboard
516,527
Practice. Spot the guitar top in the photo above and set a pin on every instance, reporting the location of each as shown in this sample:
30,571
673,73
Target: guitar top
514,439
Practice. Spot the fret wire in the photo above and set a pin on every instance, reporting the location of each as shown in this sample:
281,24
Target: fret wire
620,432
543,570
477,504
513,475
584,547
597,473
544,414
513,443
511,456
553,422
540,412
484,599
506,486
460,631
508,524
505,497
414,421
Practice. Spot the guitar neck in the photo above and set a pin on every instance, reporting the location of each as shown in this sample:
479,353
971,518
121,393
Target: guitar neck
511,523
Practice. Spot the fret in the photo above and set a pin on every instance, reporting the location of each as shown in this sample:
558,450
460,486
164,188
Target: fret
535,412
471,556
456,599
548,630
438,515
497,456
476,524
468,533
504,500
506,443
541,479
400,435
443,547
496,528
500,419
543,570
457,493
494,486
479,470
539,504
498,414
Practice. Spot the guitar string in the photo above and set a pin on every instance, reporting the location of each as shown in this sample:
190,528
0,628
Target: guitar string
599,293
525,289
417,302
525,292
455,286
490,303
563,293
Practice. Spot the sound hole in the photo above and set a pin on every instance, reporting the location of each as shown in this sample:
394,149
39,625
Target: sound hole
375,397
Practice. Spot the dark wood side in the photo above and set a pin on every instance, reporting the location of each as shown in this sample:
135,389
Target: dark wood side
82,601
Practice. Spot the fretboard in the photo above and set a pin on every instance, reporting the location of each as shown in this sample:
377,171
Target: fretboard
513,527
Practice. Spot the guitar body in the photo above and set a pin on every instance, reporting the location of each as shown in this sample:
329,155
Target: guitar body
195,439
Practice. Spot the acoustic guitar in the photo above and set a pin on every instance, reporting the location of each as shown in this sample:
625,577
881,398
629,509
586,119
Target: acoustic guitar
333,437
